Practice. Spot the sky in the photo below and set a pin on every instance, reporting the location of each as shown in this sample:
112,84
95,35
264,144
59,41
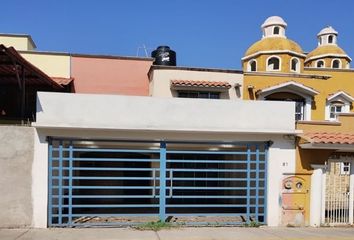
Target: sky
204,33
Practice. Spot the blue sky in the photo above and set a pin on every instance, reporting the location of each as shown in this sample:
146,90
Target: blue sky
209,33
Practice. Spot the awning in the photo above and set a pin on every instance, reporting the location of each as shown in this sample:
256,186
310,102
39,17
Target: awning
14,68
200,84
327,140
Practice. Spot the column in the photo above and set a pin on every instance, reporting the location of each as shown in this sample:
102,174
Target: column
323,209
316,195
308,107
351,193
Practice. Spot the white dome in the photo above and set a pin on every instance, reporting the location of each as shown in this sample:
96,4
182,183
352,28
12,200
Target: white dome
274,20
326,31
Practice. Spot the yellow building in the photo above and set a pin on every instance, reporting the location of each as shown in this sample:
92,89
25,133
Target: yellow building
322,85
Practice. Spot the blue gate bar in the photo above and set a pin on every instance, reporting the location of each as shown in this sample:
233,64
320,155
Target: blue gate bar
110,159
149,196
214,188
205,161
108,215
106,178
50,183
105,196
248,183
257,182
266,150
60,183
212,152
106,169
70,184
109,205
104,187
212,170
114,150
162,210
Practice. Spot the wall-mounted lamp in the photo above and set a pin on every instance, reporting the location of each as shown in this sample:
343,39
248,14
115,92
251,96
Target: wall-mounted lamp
237,85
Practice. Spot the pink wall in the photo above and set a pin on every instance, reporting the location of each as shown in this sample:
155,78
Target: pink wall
110,75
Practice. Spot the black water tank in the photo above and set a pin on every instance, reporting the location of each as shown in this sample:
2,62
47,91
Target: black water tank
164,56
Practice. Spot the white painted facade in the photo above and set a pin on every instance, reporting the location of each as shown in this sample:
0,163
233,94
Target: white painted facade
40,181
160,81
127,117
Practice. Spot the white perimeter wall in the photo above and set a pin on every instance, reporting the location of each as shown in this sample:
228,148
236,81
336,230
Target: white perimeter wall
66,110
118,117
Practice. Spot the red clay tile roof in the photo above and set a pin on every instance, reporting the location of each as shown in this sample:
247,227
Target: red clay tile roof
62,81
190,83
329,138
33,75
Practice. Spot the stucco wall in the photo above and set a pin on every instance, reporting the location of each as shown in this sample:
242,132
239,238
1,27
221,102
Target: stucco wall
160,81
306,157
16,159
54,65
168,114
18,42
340,80
285,63
110,75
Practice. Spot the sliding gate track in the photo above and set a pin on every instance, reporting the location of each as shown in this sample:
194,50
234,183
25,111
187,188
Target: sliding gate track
111,182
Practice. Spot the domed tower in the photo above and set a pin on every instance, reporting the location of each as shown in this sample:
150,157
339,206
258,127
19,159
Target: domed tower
327,54
274,27
274,52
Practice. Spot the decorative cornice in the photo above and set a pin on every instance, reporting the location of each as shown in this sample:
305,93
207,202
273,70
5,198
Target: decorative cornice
293,75
273,52
327,55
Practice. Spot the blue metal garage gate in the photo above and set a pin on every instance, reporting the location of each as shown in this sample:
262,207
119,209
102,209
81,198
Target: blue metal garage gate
115,182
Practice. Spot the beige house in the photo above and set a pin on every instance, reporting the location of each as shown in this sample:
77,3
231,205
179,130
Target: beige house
192,82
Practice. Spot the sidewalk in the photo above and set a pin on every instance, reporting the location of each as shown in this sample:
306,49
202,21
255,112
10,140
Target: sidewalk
203,233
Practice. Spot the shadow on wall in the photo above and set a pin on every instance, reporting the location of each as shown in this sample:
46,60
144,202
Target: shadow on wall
312,156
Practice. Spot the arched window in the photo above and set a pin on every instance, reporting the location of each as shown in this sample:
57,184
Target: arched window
337,103
320,64
336,63
273,64
294,65
300,102
276,31
330,39
252,66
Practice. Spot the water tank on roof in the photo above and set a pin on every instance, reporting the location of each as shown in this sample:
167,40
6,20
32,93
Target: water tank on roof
164,56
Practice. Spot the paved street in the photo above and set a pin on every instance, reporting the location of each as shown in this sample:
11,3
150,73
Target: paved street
203,233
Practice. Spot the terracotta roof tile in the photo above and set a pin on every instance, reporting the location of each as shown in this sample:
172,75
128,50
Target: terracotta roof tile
62,81
191,83
329,138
